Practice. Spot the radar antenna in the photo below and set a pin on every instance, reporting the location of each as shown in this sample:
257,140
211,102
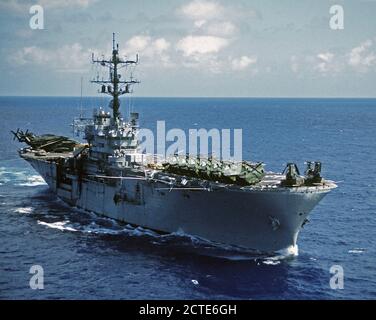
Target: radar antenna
114,86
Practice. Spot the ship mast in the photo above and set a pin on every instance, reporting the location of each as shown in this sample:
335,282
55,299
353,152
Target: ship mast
114,86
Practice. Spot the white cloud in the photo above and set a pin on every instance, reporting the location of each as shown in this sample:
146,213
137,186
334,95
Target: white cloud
243,62
325,62
149,48
137,44
161,45
211,17
68,58
201,53
65,3
216,64
31,55
24,6
361,57
200,23
205,63
74,58
201,10
325,57
222,28
200,45
214,27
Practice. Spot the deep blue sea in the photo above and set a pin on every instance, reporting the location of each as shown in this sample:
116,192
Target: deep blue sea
87,257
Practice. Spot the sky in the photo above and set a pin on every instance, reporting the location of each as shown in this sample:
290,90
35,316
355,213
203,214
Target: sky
192,48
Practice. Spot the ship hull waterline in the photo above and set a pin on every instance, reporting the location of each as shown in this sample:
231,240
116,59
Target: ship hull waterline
261,220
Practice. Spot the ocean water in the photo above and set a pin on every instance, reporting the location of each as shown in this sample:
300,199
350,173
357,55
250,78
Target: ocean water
88,257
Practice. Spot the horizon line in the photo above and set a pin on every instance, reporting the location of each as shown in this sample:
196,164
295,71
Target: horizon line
186,97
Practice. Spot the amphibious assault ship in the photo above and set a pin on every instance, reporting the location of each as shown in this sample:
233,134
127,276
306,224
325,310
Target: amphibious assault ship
226,202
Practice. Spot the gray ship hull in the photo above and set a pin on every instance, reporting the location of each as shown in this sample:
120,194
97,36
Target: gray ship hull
229,202
263,219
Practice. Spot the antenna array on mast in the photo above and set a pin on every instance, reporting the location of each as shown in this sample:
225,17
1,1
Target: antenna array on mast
114,86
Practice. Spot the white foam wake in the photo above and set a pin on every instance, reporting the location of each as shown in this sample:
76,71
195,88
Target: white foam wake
33,181
23,178
92,228
61,225
24,210
291,251
357,250
272,262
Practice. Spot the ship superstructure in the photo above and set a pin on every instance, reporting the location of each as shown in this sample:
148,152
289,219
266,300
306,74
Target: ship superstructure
235,203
